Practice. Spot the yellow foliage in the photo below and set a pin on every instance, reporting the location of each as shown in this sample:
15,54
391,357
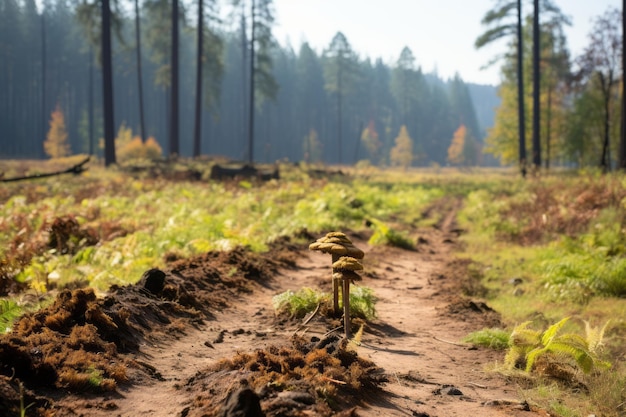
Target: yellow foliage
402,153
152,148
455,151
129,147
135,149
463,150
56,144
124,137
503,138
371,142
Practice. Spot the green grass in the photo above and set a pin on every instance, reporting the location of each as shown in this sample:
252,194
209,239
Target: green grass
497,339
562,235
304,301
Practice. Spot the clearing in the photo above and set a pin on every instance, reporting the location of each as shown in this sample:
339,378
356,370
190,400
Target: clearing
183,339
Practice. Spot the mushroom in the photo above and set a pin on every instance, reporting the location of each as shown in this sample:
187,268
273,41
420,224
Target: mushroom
337,244
344,271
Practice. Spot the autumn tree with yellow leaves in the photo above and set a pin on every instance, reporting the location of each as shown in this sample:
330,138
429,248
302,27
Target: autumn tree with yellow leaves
372,143
402,153
56,144
463,150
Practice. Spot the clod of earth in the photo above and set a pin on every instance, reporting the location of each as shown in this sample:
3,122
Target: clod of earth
337,244
344,271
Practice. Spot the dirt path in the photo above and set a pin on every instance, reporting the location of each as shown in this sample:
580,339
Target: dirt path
421,318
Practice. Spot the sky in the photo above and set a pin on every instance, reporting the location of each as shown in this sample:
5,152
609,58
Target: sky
441,33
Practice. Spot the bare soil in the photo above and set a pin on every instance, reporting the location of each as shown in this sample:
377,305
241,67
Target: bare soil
200,338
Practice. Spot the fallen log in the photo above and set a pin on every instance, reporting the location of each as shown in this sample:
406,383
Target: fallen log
247,171
76,170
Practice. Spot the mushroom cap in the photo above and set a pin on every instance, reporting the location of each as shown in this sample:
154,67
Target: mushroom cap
347,263
351,275
337,243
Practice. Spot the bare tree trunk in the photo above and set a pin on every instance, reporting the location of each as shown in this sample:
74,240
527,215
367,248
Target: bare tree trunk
621,157
90,104
139,72
198,117
549,127
606,93
174,142
107,86
339,121
536,88
520,91
43,77
252,87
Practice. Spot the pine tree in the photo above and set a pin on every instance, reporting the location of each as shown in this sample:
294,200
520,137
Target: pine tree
340,73
56,144
402,153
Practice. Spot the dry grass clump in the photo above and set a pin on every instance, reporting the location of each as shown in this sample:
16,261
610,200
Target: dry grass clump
63,346
327,363
326,371
554,208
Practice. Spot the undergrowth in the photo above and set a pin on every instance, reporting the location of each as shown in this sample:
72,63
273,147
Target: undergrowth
299,303
550,249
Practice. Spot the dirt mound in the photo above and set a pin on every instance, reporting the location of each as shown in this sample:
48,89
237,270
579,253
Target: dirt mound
288,381
78,343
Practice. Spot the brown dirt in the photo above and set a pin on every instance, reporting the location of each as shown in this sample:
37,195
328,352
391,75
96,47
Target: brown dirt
200,338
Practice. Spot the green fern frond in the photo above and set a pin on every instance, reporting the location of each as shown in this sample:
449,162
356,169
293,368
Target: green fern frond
532,356
9,312
595,336
582,357
513,356
552,331
523,336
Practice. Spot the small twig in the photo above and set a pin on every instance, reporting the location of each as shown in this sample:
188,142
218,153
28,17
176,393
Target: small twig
305,322
325,378
477,385
397,378
332,331
449,342
308,319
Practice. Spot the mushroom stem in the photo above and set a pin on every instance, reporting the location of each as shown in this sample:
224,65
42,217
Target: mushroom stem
336,310
346,307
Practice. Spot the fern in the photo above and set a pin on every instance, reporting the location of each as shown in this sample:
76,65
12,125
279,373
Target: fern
9,311
529,345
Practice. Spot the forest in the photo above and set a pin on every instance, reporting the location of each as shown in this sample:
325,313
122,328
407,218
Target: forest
50,56
326,106
197,220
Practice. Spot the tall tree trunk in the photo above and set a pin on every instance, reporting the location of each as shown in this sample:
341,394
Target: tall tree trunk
244,75
621,157
107,85
549,127
536,88
43,79
339,103
520,91
174,143
197,128
606,85
139,72
252,86
90,98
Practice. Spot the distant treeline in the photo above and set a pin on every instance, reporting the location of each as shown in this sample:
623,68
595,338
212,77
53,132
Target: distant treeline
46,60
